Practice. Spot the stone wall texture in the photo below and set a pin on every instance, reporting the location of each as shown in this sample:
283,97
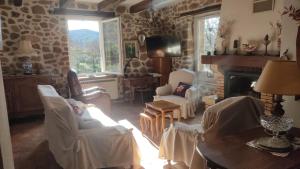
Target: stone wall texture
47,32
132,25
183,28
166,22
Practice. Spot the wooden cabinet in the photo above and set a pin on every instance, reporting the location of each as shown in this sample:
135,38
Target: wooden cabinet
22,95
163,66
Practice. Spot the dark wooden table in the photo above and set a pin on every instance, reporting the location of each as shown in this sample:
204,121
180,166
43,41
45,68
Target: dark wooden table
232,152
131,84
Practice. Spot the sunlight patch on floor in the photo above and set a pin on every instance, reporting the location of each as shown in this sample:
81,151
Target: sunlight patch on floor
149,152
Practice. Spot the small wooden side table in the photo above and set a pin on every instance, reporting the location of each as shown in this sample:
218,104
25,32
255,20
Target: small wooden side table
164,107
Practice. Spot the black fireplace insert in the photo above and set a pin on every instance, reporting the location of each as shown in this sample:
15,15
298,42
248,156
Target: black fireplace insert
238,83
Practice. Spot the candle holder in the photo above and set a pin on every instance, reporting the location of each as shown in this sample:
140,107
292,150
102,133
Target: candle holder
267,41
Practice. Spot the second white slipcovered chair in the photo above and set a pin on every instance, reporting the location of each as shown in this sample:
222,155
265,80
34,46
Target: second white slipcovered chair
189,102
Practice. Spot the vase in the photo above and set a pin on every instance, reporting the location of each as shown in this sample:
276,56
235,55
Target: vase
298,46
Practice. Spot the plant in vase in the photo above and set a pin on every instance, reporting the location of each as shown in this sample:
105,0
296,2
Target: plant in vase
277,29
294,13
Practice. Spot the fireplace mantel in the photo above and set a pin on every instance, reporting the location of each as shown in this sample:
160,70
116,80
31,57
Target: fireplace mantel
237,60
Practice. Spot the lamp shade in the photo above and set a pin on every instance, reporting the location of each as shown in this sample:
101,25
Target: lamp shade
279,77
25,48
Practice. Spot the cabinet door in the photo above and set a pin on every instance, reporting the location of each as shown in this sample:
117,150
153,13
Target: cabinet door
9,94
28,100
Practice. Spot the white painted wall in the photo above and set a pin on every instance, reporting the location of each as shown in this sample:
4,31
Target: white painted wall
248,25
5,141
289,34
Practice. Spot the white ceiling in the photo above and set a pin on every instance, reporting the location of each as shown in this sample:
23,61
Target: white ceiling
127,3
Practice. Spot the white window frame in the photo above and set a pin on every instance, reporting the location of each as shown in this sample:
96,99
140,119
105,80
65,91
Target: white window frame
101,44
198,66
118,19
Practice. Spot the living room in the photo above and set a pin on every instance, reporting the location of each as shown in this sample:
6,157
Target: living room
161,80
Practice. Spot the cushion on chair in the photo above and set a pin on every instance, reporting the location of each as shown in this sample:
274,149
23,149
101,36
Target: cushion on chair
182,75
181,89
77,108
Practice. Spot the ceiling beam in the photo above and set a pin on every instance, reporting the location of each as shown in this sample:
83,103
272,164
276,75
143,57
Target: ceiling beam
145,4
63,11
107,4
202,10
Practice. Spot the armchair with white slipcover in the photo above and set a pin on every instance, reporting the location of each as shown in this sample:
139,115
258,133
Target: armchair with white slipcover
87,140
189,102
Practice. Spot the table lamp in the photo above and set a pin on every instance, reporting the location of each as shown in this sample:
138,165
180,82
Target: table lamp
279,77
24,53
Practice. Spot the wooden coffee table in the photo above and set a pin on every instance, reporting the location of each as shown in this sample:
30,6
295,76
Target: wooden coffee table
164,107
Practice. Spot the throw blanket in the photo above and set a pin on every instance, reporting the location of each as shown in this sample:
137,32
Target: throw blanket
230,116
102,145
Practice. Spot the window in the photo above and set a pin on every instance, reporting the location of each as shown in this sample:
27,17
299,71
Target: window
206,29
94,46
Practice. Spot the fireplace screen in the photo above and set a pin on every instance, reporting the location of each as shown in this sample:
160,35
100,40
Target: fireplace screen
240,84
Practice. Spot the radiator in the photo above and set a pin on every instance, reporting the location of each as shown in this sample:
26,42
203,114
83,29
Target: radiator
109,84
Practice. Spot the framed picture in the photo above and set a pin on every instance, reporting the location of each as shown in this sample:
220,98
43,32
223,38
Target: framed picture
131,49
1,41
263,5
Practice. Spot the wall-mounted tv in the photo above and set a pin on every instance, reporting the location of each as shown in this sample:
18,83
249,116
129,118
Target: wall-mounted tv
163,46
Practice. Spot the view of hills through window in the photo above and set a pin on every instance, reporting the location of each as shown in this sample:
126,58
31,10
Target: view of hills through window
84,47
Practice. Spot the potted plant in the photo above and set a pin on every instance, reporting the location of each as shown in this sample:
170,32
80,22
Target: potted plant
295,15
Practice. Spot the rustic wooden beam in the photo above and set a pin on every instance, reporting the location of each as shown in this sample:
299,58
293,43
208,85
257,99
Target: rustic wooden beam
237,60
63,11
203,10
145,4
107,5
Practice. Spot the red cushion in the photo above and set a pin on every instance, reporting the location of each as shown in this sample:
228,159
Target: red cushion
181,89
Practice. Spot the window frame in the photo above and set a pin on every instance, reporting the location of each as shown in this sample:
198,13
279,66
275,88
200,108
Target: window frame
198,66
121,72
101,44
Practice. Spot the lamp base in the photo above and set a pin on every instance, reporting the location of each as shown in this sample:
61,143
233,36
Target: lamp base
274,143
277,109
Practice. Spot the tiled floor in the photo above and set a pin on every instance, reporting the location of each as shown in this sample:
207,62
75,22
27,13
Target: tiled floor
31,149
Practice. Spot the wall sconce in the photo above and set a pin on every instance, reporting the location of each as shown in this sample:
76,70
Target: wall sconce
141,38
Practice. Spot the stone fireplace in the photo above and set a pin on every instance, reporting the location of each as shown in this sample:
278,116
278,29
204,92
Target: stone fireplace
235,76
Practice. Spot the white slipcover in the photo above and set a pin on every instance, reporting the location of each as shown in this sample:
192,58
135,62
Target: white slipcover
106,145
189,103
232,115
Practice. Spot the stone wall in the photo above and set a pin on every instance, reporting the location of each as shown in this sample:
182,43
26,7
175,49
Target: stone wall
167,23
47,32
183,27
132,25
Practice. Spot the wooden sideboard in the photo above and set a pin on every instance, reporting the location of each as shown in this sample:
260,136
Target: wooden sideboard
22,96
163,66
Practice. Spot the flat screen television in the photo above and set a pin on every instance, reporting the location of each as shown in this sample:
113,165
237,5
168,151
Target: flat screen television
163,46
